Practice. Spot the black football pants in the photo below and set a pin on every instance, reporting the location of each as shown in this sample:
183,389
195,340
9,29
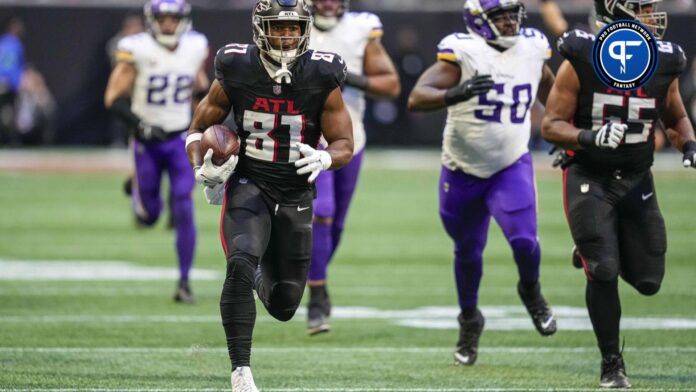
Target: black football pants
258,232
617,226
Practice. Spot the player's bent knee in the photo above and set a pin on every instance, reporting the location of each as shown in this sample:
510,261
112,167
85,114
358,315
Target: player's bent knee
647,288
604,271
285,299
241,268
524,245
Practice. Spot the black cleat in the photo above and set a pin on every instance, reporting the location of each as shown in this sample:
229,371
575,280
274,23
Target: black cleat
576,258
469,333
614,372
318,311
538,309
183,293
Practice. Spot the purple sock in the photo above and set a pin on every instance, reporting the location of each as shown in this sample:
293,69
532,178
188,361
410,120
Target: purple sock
185,234
321,251
468,273
527,254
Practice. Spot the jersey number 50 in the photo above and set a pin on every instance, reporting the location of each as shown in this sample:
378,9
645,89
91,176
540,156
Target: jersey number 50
521,95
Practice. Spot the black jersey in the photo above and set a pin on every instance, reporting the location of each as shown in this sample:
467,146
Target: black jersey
639,109
272,117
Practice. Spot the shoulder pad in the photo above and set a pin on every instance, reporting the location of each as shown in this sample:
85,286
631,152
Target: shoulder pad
233,60
368,22
576,45
129,47
538,41
196,37
448,49
327,68
672,57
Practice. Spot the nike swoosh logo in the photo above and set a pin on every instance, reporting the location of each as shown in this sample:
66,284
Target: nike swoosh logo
546,324
646,197
299,209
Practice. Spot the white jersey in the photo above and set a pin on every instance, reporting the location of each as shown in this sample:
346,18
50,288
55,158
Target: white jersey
490,132
349,38
163,87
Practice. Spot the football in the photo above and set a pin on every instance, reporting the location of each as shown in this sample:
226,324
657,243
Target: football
223,141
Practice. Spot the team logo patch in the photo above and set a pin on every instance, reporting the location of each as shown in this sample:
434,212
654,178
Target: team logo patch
263,5
624,55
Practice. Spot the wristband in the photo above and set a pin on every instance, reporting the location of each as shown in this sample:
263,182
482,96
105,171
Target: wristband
689,146
194,137
122,108
586,138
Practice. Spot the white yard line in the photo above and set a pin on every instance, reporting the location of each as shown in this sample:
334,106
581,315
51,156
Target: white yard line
338,350
343,390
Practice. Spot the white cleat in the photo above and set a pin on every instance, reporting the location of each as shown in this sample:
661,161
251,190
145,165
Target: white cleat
242,380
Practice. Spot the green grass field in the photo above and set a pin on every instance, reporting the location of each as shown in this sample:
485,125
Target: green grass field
391,284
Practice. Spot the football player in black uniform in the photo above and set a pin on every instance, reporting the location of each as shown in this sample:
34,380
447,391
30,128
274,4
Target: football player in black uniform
610,199
284,98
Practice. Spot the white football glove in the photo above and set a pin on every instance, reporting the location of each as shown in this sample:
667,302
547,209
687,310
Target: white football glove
210,174
610,135
314,161
214,195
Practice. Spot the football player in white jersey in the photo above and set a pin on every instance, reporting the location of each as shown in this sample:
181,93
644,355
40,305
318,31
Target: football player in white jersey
488,79
150,89
356,37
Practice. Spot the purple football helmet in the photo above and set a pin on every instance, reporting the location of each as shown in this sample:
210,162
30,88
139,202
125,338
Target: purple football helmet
478,18
177,8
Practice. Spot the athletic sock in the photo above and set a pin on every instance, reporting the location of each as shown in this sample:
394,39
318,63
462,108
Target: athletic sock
604,307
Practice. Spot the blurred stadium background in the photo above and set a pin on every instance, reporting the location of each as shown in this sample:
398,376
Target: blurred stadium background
84,296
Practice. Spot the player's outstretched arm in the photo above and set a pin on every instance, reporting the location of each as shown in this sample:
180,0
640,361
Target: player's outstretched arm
545,85
337,129
439,87
381,78
679,128
556,127
118,92
212,110
429,92
553,17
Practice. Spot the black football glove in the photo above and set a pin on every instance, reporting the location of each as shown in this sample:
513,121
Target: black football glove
477,85
357,81
147,133
690,154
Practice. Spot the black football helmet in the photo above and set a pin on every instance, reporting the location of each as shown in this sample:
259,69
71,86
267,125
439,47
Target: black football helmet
327,22
266,12
644,11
